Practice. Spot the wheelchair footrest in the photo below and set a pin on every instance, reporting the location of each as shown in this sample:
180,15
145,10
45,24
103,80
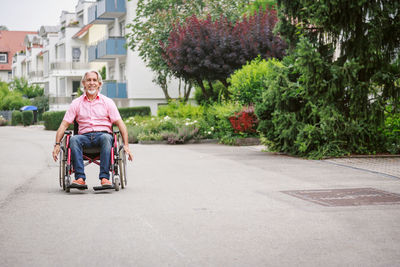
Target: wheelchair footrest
78,186
103,187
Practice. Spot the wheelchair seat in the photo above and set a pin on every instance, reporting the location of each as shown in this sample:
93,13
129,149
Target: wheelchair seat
92,150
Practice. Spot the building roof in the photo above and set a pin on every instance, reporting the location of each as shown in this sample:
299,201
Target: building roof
12,42
48,29
82,32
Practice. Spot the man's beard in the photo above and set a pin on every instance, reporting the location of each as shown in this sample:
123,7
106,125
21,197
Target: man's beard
91,92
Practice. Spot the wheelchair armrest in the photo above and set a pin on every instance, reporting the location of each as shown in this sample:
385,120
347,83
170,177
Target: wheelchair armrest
116,131
69,132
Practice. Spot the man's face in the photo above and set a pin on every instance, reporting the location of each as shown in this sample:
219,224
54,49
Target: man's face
91,84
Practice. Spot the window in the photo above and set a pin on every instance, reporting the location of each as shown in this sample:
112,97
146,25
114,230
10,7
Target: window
122,28
75,86
76,54
3,58
111,31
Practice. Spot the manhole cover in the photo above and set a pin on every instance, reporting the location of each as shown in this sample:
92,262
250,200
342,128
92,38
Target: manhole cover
347,197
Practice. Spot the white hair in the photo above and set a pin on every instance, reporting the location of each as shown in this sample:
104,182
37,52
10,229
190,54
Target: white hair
99,78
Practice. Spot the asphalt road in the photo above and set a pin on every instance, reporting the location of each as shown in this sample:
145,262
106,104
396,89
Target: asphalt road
189,205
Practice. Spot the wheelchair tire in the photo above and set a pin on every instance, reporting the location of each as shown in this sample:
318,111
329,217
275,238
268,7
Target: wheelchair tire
67,179
61,170
116,183
122,164
122,168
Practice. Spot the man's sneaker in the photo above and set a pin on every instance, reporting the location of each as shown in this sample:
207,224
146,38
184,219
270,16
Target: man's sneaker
105,182
79,181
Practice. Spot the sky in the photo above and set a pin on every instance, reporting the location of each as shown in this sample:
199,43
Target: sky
30,15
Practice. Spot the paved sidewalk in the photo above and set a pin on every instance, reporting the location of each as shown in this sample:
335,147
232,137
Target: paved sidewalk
384,165
387,165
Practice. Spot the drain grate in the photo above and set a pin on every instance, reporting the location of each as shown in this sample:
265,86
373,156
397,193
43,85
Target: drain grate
347,197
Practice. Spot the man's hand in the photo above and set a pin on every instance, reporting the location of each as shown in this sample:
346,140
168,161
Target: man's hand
124,134
128,152
56,151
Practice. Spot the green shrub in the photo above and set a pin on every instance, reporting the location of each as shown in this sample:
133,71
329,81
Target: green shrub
218,94
16,117
3,121
216,121
53,119
176,109
247,83
156,128
27,117
306,108
150,137
134,111
392,130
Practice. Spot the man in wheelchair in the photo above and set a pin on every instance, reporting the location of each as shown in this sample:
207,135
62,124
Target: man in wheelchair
95,114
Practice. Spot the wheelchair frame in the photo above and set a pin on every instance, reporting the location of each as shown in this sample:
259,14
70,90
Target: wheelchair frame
117,165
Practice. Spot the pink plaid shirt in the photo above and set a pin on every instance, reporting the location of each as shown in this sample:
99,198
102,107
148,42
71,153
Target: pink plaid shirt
93,116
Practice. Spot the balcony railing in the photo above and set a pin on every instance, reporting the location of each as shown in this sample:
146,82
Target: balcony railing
69,66
111,8
104,11
92,53
114,89
111,48
36,74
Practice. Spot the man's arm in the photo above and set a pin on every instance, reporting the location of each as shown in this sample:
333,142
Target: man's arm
124,133
59,135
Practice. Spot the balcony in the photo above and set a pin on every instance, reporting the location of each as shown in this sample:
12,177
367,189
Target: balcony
114,89
69,66
104,11
111,8
93,17
36,74
92,53
111,48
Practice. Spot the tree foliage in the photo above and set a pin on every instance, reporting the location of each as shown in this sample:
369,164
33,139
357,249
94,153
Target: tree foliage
11,100
329,97
29,91
155,19
203,49
365,31
304,110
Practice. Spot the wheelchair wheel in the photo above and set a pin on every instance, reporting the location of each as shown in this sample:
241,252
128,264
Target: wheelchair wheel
122,164
67,179
116,182
62,170
122,168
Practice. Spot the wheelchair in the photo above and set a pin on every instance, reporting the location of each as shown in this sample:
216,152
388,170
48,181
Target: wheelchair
92,155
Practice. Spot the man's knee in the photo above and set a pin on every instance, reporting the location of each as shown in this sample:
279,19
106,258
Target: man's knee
74,141
106,139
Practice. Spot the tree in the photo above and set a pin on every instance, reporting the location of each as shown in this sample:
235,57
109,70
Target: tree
322,102
155,19
11,100
365,31
3,28
212,50
256,5
29,91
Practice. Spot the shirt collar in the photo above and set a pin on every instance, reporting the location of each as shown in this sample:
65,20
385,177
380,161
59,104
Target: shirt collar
86,98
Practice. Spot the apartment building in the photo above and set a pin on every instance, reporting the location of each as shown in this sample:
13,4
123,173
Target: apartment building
89,38
129,81
11,42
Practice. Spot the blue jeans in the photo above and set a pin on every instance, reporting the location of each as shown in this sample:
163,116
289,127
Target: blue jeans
88,140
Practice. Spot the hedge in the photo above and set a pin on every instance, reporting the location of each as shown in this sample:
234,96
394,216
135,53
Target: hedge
27,117
16,117
134,111
53,119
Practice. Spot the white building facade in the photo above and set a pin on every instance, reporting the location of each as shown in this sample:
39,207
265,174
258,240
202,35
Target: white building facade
89,38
